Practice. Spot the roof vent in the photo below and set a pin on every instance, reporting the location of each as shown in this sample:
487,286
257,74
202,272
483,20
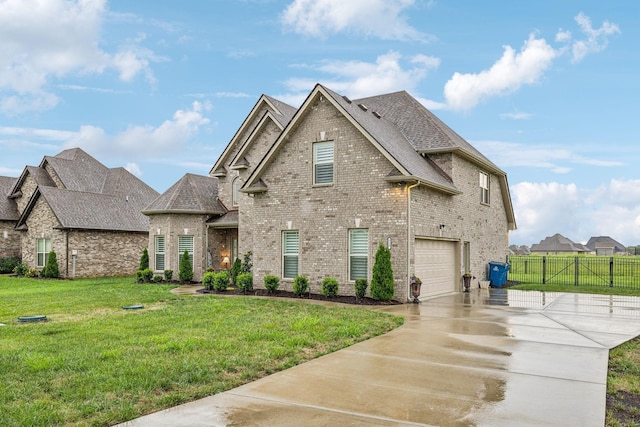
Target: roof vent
375,113
346,99
363,107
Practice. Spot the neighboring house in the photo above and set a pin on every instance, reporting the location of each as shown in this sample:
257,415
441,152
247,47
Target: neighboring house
519,250
314,191
9,237
558,244
87,213
605,245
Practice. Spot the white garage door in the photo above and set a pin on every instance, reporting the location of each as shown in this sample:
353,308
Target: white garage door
436,266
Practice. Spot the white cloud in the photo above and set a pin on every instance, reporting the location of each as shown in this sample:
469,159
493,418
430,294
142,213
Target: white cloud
170,137
42,40
516,115
134,169
596,38
508,74
382,19
357,79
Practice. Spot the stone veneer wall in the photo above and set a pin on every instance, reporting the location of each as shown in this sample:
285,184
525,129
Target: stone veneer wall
27,188
9,239
99,253
324,214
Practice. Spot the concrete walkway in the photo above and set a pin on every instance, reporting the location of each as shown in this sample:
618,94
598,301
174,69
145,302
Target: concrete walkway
487,358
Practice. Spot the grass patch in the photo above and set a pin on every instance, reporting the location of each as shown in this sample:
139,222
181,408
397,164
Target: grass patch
93,363
600,290
623,385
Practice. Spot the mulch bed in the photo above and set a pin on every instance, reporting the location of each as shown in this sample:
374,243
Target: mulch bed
344,299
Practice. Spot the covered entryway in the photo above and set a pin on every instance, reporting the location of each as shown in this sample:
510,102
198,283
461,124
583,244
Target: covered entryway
436,266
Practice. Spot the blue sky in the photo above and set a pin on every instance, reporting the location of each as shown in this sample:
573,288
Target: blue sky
548,90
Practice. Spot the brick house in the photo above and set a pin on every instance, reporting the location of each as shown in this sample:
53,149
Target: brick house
87,213
9,237
315,190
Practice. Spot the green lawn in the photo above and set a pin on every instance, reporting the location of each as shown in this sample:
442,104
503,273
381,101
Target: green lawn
94,363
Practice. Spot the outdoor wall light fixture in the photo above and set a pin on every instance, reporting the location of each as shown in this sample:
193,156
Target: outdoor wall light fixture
441,226
225,262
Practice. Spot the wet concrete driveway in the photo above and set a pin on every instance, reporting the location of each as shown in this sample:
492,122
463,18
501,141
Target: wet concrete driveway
487,358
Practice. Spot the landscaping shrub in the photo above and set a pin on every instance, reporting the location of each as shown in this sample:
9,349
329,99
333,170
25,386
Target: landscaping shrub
244,281
144,276
51,269
21,269
247,264
382,287
168,275
8,263
300,285
220,281
157,278
235,270
329,287
144,260
32,273
361,288
186,268
207,280
271,283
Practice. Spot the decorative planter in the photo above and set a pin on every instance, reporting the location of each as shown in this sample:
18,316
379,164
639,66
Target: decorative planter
416,283
466,281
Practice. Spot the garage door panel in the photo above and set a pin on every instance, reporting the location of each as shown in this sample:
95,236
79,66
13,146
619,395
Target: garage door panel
435,265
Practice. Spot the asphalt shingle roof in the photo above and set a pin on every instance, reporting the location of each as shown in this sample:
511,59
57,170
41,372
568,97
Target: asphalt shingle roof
192,193
78,170
558,243
8,207
286,111
595,242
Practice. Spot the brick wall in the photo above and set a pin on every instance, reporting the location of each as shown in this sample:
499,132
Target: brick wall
9,239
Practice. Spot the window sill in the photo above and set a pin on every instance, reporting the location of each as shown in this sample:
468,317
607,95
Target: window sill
322,185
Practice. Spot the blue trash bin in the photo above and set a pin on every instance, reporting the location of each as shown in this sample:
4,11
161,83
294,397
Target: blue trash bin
498,273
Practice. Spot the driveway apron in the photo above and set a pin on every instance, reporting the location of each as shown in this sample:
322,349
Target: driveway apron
493,357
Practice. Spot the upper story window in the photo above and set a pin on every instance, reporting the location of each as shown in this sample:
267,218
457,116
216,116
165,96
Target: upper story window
484,188
235,188
323,162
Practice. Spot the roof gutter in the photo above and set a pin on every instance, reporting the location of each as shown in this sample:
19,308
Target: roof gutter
419,181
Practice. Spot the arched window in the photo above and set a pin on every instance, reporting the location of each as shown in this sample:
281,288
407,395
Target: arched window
235,187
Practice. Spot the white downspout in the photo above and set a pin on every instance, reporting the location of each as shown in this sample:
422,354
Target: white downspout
408,282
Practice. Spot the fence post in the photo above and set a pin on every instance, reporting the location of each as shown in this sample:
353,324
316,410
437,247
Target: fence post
611,272
576,271
526,266
544,269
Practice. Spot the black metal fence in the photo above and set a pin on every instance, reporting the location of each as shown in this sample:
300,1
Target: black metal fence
618,271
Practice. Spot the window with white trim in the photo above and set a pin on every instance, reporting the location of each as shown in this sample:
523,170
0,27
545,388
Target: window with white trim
185,243
358,253
323,162
235,188
290,253
484,188
43,247
160,252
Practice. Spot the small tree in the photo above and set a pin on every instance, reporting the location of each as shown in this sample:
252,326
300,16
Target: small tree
235,270
144,260
186,268
168,275
300,285
247,264
382,287
51,269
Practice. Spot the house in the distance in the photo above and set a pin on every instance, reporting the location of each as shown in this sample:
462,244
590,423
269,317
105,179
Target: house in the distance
605,245
87,213
314,191
558,244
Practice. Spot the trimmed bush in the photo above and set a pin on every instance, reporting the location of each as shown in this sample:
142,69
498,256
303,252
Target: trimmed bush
9,263
144,260
32,273
51,269
329,287
300,285
157,278
247,264
21,269
144,276
220,281
185,274
271,283
168,275
244,281
235,270
361,287
207,280
382,287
